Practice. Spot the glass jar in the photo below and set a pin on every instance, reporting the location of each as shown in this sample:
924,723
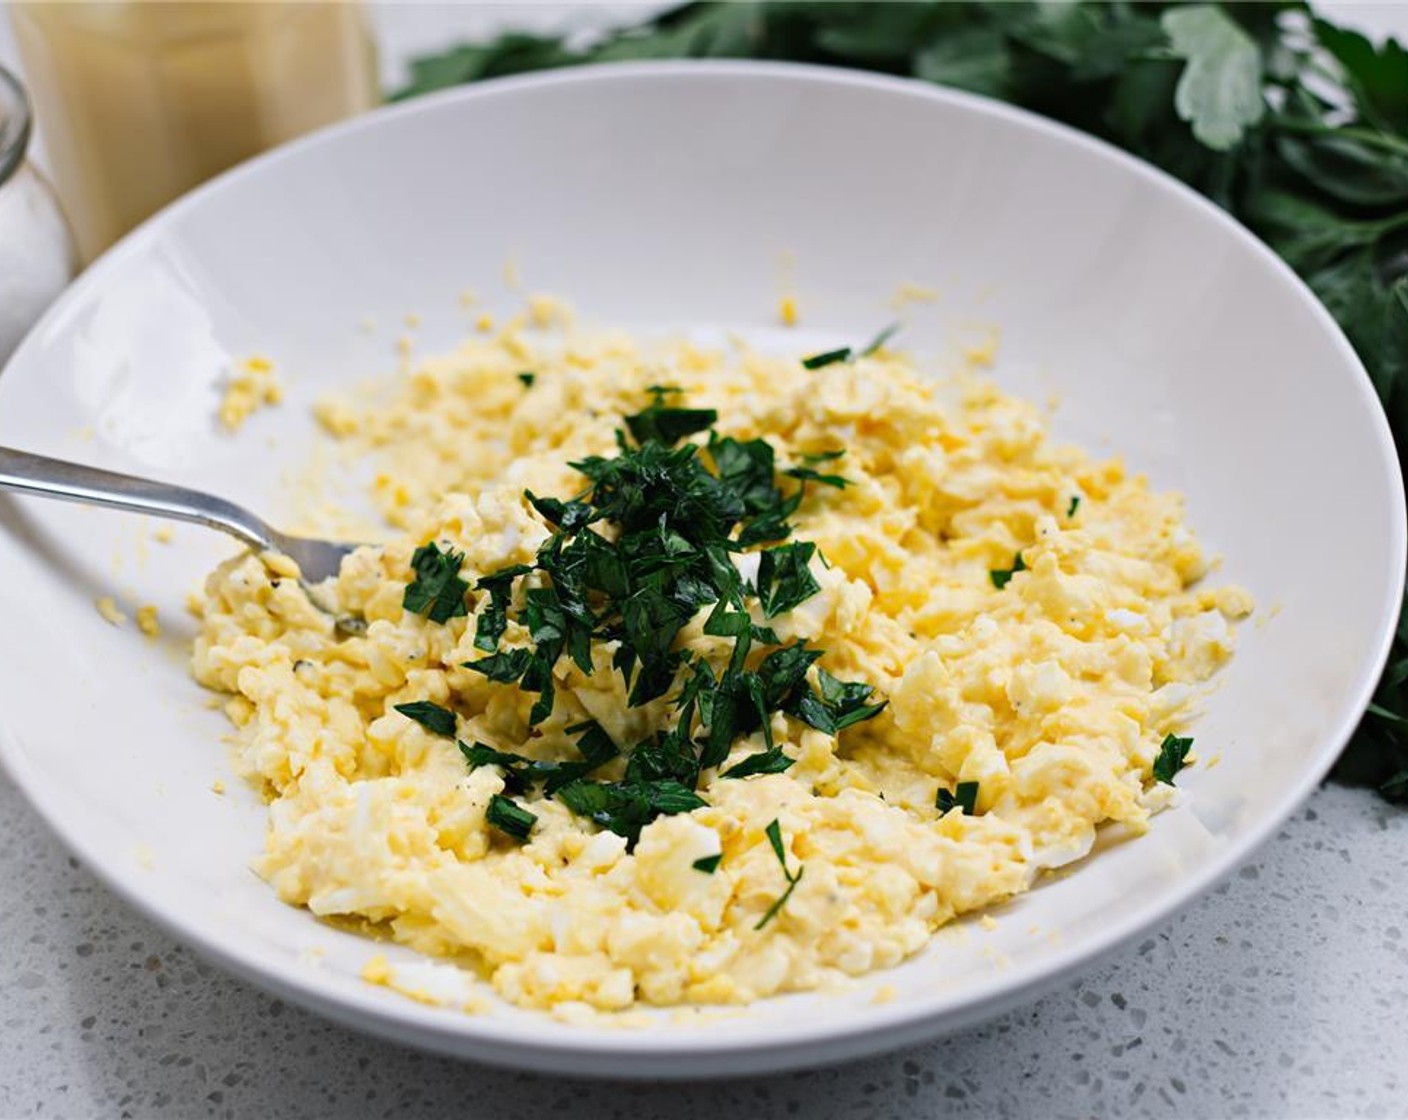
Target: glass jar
36,252
140,102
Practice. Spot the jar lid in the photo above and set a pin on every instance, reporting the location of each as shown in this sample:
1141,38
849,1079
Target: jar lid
14,123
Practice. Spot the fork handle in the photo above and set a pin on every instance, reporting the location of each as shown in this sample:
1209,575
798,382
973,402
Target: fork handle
24,473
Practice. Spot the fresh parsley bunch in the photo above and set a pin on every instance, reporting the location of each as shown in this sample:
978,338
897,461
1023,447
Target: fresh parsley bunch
1296,126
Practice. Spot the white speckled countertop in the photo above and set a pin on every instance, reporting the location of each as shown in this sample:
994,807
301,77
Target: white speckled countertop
1277,995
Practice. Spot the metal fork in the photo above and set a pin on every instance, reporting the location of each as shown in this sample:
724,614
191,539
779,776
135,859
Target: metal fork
25,473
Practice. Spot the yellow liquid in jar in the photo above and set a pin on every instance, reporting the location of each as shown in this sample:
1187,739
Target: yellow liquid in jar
140,102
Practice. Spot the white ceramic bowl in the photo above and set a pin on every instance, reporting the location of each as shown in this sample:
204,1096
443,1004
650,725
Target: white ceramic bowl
673,194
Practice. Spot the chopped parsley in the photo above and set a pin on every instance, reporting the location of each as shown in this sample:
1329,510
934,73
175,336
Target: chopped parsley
1173,755
774,835
434,718
522,774
847,354
666,424
509,817
1001,576
708,864
836,705
493,619
626,807
677,514
770,761
879,340
437,590
505,667
827,358
1075,505
963,796
527,377
811,474
785,579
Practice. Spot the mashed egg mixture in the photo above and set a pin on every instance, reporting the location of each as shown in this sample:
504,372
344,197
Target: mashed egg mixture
882,655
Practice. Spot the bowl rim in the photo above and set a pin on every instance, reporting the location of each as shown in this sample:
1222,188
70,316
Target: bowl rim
536,1042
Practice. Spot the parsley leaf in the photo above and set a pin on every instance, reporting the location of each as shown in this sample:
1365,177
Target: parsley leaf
493,619
746,468
505,667
1219,92
510,818
437,590
567,516
771,761
846,700
527,377
879,340
667,425
828,357
963,797
520,773
774,835
785,579
626,807
846,354
1001,576
809,474
1172,753
1075,505
708,864
434,718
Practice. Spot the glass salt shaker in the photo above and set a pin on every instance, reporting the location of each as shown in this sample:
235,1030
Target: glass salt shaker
37,256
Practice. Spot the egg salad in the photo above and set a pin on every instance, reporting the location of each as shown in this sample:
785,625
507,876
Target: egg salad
695,674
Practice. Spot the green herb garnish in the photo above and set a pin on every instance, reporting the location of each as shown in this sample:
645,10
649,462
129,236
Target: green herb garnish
810,474
626,807
879,340
669,425
770,761
522,774
509,817
437,590
964,796
827,358
527,378
666,424
1001,576
678,514
493,619
708,864
774,835
434,718
785,579
504,667
1075,505
836,705
1173,752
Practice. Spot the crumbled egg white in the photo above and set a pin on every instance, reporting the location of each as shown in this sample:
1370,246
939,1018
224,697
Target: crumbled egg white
1052,693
